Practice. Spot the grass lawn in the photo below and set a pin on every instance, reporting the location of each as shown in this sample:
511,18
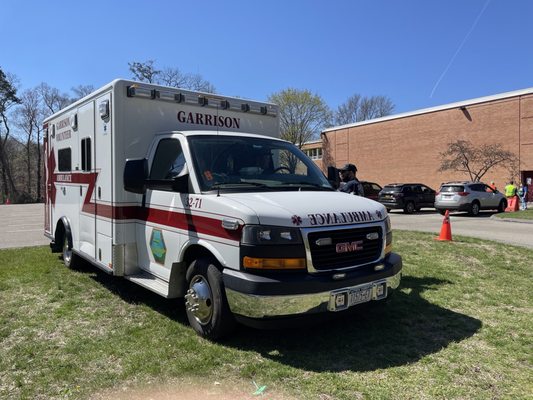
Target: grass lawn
460,328
525,214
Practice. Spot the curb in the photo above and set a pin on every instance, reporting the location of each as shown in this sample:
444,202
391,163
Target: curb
520,221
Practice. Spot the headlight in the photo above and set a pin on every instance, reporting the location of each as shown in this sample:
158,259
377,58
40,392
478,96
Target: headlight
270,235
388,233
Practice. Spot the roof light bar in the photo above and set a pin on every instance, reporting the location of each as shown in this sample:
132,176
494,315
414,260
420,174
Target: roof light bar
211,101
135,91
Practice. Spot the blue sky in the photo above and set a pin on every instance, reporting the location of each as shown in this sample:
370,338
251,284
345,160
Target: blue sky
419,53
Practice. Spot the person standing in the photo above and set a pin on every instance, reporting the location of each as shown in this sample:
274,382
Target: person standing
350,183
510,190
493,186
522,193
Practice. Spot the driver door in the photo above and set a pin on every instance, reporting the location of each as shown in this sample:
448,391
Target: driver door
161,234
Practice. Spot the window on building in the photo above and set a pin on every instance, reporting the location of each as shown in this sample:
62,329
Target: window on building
64,160
314,154
86,154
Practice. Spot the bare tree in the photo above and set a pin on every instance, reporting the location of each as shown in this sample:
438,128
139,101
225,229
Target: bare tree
144,71
28,118
8,99
302,114
53,99
358,108
81,91
463,156
174,77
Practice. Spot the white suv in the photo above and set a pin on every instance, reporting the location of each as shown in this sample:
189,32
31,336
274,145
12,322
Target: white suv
469,196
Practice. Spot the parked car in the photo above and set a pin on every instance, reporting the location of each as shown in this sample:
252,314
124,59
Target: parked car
410,197
371,189
469,196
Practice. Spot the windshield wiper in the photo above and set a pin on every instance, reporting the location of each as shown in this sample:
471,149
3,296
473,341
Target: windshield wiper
229,184
302,183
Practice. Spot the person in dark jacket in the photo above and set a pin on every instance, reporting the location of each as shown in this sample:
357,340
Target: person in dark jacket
350,183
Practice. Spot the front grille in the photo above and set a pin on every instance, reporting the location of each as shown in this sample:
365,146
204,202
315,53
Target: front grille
326,257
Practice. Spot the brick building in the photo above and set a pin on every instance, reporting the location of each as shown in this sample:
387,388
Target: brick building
406,147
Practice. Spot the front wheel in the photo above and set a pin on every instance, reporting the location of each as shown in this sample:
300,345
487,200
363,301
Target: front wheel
205,301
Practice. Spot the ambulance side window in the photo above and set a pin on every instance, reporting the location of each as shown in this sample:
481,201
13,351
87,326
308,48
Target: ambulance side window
86,154
64,160
168,160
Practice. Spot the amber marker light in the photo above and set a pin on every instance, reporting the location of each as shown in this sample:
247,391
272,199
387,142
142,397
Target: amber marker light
273,263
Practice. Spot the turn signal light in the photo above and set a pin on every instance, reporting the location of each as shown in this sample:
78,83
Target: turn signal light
463,194
273,263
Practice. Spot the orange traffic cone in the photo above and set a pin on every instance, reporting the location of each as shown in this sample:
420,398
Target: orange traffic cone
446,229
512,204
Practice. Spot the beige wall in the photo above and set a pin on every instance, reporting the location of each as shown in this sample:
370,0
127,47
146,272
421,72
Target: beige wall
407,149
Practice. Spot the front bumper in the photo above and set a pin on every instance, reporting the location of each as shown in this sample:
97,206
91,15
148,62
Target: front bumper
392,204
261,297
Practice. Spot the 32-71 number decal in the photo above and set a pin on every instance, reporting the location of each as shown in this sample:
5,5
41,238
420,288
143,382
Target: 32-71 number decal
193,202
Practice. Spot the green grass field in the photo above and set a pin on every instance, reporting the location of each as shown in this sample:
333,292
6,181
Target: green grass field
525,214
460,328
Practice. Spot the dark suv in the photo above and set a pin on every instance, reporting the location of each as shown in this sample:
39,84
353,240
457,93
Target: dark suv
409,197
371,189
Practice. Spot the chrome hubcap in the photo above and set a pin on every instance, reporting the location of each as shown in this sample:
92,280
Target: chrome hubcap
67,253
198,300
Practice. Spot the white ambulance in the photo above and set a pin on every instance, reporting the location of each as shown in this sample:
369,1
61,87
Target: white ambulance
193,195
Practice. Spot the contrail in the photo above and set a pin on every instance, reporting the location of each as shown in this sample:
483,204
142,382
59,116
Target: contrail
459,48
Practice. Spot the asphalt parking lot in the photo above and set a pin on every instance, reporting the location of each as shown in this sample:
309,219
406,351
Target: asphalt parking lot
482,226
23,226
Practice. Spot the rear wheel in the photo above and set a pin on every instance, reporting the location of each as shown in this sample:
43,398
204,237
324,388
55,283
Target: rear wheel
474,209
409,207
502,206
205,301
69,258
442,212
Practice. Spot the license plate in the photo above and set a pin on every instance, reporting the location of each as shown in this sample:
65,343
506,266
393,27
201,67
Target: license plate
341,300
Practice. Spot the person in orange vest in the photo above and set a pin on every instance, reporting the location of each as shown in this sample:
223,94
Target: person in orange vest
493,186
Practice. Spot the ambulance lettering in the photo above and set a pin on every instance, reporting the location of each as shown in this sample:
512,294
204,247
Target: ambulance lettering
341,218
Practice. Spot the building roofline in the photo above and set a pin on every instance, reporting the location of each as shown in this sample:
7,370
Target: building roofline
458,104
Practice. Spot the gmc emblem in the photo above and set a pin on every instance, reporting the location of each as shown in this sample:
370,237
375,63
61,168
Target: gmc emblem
349,247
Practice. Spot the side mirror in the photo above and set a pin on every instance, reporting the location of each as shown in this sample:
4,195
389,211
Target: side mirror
135,175
333,176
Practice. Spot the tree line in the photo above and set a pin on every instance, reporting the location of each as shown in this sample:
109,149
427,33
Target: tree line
303,115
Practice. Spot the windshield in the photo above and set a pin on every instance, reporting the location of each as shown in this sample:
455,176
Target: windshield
246,163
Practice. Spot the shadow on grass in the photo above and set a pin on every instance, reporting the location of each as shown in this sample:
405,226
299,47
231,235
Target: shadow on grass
374,336
135,294
377,336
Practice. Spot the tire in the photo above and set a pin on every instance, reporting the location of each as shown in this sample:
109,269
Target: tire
409,208
502,206
474,209
205,301
388,210
442,212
